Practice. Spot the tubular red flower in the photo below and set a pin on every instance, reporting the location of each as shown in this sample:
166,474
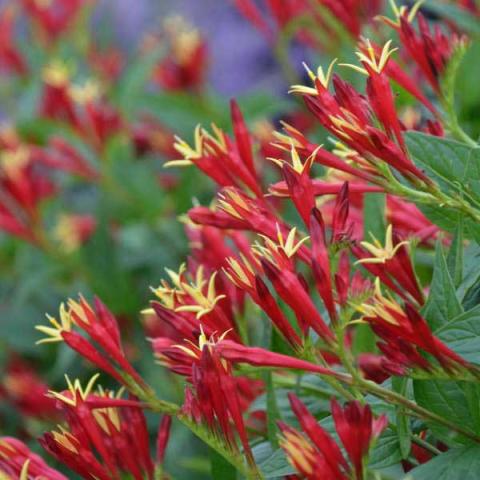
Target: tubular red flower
404,331
238,353
105,435
163,435
102,328
391,264
12,59
356,428
293,293
17,459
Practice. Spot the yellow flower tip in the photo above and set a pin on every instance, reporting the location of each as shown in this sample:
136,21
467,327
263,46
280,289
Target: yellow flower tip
13,161
400,12
24,471
299,451
66,439
89,92
75,389
380,254
322,77
369,57
56,74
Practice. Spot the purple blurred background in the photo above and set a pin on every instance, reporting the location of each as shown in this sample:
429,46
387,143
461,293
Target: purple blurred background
240,57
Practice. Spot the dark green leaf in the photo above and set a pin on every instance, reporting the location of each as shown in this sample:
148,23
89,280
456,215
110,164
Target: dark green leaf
442,303
220,468
455,255
386,451
273,414
374,215
404,433
469,290
456,464
453,165
135,79
455,401
462,335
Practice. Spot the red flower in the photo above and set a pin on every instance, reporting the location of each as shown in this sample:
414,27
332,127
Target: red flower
292,291
242,274
214,399
316,455
357,429
17,461
106,435
102,347
185,64
349,116
391,264
53,17
228,162
23,188
22,386
62,156
352,14
162,438
11,58
404,333
431,50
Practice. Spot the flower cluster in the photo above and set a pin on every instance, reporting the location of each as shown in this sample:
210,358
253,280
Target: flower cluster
288,291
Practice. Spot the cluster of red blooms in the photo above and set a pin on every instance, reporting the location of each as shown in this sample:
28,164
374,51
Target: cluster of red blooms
243,248
105,437
351,14
316,455
83,108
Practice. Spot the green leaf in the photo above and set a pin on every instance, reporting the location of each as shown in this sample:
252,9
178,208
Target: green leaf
462,335
456,464
276,465
453,165
404,432
133,83
469,290
374,215
442,303
106,278
220,468
455,401
386,451
455,255
273,414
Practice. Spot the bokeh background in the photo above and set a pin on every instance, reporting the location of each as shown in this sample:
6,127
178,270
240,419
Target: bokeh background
113,233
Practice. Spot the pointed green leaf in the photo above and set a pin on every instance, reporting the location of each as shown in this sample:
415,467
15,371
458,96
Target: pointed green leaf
220,468
453,401
456,464
462,335
442,303
455,255
404,432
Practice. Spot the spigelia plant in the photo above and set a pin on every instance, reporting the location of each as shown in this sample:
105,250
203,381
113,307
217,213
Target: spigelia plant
326,322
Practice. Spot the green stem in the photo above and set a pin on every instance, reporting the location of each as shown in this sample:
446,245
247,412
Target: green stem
394,398
426,445
415,410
